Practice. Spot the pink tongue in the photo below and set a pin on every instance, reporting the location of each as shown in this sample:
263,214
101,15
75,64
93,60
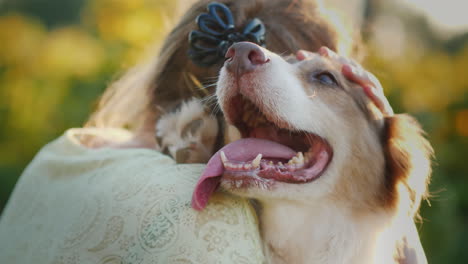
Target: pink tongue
241,150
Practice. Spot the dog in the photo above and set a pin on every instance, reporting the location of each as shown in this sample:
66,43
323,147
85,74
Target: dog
334,180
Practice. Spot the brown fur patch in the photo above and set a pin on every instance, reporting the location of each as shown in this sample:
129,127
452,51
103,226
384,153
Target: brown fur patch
408,155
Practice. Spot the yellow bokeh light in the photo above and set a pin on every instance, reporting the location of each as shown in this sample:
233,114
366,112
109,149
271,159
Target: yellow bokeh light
70,52
20,37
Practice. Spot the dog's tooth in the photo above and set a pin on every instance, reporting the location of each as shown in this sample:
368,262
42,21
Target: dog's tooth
300,158
292,161
247,166
280,163
256,161
270,163
223,157
229,165
299,155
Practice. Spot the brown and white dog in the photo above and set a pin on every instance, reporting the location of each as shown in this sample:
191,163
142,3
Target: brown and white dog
352,194
335,180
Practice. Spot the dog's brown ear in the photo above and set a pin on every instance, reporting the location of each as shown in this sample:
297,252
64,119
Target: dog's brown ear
408,157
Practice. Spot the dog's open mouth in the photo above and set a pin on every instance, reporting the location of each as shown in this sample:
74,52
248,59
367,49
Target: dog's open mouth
268,152
310,153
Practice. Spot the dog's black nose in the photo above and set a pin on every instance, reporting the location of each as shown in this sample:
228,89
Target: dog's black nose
244,57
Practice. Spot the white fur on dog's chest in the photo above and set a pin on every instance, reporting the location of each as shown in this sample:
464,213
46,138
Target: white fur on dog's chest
294,233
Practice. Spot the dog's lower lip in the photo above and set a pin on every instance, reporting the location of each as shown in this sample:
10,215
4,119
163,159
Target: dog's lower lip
232,180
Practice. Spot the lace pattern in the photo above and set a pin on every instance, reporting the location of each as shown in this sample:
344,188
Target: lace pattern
78,205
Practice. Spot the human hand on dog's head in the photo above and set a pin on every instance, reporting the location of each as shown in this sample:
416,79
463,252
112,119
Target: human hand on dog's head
356,73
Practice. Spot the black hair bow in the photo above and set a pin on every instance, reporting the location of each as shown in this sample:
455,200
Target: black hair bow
217,33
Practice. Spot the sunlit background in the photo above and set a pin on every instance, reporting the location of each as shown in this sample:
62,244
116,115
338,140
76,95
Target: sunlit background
57,56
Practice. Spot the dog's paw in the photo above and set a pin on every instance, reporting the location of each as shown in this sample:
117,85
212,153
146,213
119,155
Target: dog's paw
188,134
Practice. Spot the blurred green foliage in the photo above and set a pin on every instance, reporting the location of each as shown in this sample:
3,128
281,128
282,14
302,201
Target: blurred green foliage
57,57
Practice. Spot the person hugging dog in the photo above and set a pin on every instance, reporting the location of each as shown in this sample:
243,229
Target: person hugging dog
119,189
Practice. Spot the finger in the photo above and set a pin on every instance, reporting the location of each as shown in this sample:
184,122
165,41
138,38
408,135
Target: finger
344,60
371,88
360,76
354,63
378,99
326,52
371,77
369,91
303,55
368,78
355,75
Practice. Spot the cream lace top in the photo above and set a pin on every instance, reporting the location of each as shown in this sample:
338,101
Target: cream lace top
79,205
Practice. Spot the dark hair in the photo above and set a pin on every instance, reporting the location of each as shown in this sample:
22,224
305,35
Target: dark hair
290,25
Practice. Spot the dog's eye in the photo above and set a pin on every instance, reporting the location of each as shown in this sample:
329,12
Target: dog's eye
326,78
